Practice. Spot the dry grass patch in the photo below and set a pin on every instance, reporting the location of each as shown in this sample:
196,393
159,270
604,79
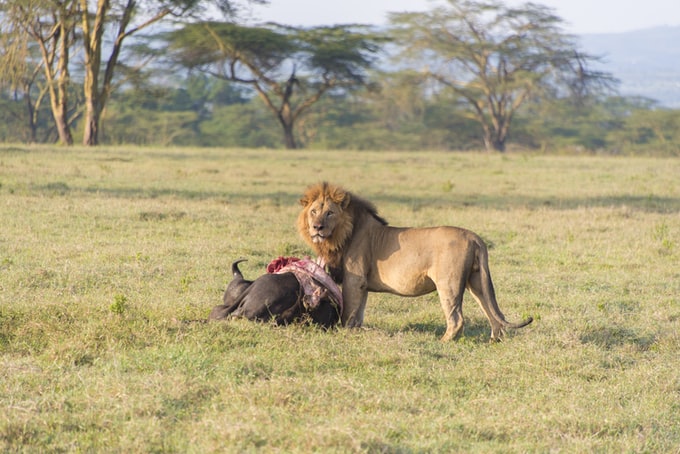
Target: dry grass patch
105,253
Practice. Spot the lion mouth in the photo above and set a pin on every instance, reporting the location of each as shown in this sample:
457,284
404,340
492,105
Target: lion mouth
318,238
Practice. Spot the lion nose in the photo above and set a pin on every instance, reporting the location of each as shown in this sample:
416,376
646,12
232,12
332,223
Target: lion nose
318,227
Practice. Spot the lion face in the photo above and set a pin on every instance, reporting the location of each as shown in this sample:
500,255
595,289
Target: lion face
324,221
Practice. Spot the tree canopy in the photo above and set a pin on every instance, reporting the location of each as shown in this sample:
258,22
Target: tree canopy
289,68
495,58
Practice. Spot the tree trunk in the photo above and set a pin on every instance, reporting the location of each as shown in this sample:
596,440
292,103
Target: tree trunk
495,135
494,143
289,137
59,100
91,133
286,117
499,145
32,116
65,136
93,29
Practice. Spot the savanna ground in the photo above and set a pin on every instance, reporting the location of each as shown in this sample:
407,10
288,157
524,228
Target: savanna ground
106,253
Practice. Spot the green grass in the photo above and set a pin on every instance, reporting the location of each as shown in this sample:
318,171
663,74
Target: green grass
106,253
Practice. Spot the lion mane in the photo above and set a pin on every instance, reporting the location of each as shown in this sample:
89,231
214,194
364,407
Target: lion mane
352,207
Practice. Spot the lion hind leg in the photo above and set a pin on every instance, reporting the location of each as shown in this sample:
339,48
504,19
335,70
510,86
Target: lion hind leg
452,305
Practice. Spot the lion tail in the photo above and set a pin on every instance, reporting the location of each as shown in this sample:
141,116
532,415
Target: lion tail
487,285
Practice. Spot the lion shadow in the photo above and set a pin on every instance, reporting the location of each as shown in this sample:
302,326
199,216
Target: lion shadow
476,329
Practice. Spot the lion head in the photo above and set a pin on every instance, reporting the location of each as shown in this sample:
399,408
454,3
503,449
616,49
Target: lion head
328,217
324,222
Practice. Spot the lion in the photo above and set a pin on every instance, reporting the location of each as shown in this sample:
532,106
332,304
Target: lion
365,254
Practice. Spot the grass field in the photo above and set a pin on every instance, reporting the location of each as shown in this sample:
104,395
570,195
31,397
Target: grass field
106,253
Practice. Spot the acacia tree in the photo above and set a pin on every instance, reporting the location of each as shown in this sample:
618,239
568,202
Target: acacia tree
289,68
20,70
51,26
495,57
123,18
57,26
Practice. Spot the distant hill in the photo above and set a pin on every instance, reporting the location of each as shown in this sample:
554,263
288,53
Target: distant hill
647,62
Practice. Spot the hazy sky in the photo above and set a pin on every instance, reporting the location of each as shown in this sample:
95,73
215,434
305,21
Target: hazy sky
580,16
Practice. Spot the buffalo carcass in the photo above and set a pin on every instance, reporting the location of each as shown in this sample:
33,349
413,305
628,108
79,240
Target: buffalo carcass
278,297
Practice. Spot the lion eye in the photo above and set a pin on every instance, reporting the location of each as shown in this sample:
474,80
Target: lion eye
313,212
329,214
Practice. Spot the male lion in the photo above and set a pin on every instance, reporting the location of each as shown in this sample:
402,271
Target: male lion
366,254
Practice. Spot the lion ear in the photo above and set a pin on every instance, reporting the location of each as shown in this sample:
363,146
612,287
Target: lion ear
346,200
341,197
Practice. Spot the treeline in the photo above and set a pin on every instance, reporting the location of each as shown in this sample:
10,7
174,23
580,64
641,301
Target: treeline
516,82
213,113
373,121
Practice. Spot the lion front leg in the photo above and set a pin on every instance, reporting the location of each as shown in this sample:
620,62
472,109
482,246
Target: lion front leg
354,295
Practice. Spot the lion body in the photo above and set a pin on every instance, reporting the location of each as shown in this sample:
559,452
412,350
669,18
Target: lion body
366,254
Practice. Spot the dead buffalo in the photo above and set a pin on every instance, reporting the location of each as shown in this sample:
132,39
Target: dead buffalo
289,293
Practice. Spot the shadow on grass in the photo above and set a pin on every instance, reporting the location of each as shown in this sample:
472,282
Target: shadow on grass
60,188
647,203
608,337
476,330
